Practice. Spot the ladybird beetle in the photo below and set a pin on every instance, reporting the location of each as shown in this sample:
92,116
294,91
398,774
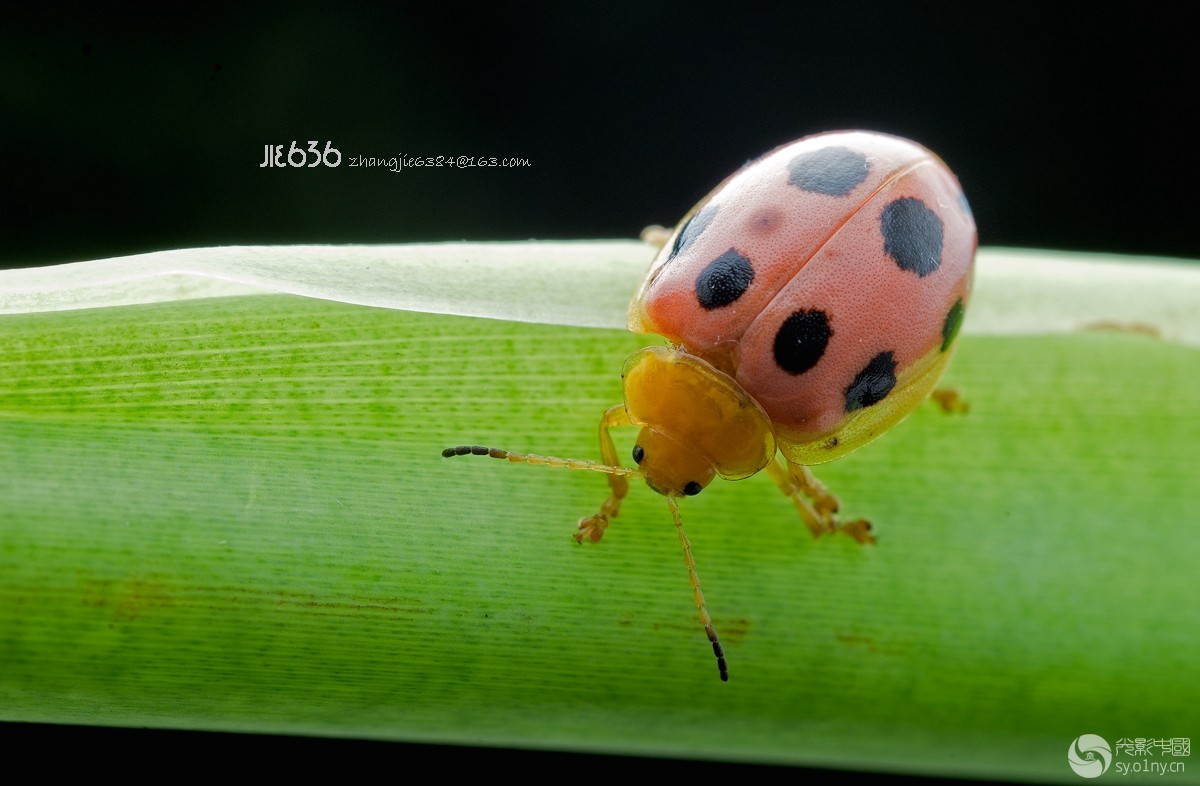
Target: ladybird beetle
810,301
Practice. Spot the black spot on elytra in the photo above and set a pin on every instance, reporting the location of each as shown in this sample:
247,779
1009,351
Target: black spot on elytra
954,318
833,171
724,280
912,235
801,340
873,383
694,227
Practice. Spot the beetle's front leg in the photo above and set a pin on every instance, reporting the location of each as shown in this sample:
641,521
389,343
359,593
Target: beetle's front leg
592,527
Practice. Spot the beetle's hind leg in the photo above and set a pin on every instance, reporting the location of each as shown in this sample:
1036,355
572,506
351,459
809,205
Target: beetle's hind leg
656,235
817,505
950,400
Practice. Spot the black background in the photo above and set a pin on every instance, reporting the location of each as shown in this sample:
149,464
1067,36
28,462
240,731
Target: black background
125,130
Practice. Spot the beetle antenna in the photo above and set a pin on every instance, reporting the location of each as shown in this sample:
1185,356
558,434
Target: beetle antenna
697,595
542,461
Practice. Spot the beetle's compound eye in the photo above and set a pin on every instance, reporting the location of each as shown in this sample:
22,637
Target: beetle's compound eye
638,454
692,488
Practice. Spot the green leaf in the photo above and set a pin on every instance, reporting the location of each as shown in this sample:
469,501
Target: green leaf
223,506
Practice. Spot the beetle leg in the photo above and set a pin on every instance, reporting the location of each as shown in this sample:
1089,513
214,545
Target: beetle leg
656,235
592,527
818,507
950,400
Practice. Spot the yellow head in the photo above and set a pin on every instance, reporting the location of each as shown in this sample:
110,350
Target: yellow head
697,422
